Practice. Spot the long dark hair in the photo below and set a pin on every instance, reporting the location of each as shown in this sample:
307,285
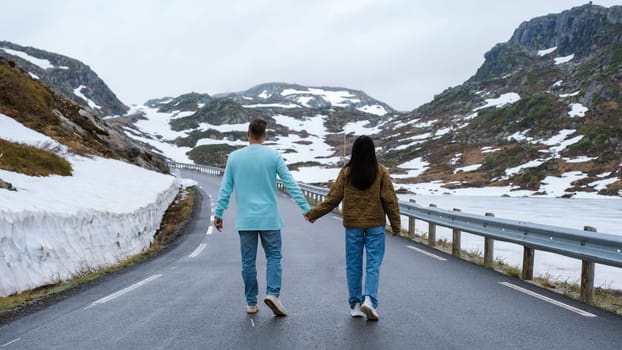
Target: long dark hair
363,164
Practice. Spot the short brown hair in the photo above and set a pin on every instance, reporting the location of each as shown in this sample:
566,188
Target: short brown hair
257,128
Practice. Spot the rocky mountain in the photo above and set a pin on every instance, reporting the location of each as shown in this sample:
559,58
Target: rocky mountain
38,107
306,123
67,76
544,106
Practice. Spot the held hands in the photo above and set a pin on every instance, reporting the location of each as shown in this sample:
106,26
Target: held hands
218,224
308,218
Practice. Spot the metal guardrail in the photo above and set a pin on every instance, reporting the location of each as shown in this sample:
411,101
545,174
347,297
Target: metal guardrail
597,247
589,246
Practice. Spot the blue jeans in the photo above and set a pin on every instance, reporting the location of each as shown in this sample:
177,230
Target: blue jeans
372,239
271,243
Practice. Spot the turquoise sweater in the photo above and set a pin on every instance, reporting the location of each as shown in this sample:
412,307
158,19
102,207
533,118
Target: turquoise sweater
251,172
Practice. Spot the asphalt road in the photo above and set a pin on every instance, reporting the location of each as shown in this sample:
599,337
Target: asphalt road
191,297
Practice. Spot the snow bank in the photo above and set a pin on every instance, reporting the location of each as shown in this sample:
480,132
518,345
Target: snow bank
55,227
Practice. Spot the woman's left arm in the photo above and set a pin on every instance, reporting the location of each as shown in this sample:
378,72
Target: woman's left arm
390,203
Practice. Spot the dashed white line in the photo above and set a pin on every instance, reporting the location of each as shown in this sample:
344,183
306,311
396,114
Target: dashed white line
252,322
210,230
198,250
548,300
123,291
426,253
13,341
337,218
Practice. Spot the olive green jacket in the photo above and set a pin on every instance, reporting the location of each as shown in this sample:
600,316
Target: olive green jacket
362,209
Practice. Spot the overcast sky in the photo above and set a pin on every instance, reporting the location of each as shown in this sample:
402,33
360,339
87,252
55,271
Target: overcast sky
401,52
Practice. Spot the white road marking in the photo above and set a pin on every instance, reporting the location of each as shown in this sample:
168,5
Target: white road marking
210,230
548,300
13,341
426,253
252,322
123,291
198,250
337,218
211,218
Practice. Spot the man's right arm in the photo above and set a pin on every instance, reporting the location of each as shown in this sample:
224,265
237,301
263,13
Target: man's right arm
224,194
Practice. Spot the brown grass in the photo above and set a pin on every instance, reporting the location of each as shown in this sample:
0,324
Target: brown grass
31,161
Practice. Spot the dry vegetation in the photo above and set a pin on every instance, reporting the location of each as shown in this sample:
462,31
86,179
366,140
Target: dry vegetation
32,161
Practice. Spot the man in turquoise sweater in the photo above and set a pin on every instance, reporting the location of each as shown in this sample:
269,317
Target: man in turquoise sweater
251,173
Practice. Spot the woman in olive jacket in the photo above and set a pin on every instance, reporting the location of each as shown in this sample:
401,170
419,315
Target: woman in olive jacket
368,197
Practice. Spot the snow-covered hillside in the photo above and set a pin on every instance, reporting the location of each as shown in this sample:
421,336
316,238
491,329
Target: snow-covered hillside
287,96
55,227
307,141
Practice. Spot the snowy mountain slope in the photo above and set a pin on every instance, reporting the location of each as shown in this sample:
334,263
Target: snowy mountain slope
67,76
287,96
542,111
55,227
305,141
37,106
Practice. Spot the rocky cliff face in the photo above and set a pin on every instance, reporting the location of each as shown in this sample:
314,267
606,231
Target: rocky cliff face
67,76
545,105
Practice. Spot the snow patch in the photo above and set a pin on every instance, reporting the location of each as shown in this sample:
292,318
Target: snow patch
520,136
467,168
78,92
40,62
503,100
340,98
530,164
416,167
546,51
374,109
581,159
361,128
602,184
556,186
570,94
12,130
272,105
577,110
565,59
264,94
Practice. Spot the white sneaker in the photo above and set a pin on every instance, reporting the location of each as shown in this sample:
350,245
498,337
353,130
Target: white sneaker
251,309
275,305
356,311
368,309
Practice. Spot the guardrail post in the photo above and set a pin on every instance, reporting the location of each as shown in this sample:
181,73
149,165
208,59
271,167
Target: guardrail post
432,231
411,223
528,259
489,248
455,244
587,276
